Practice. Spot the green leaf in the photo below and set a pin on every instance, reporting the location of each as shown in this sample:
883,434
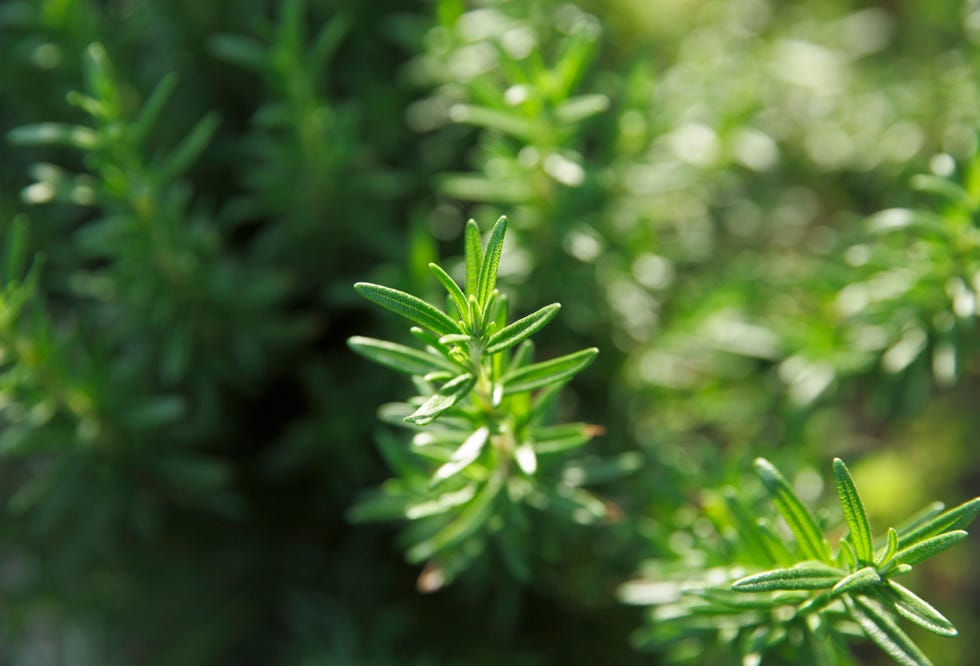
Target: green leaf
883,631
574,504
190,148
747,600
847,553
429,340
956,518
513,543
328,40
854,513
487,323
240,51
153,107
943,187
809,538
471,518
455,339
542,374
823,651
919,518
507,122
379,506
890,549
915,609
399,357
450,284
526,459
408,306
859,579
749,531
521,329
586,471
440,504
804,576
155,412
576,109
928,547
445,398
467,452
87,104
474,257
559,438
16,255
76,136
491,262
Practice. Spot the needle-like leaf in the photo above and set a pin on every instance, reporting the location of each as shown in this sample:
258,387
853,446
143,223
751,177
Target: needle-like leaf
883,631
521,329
859,579
450,284
804,576
399,357
467,452
445,398
408,306
956,518
491,262
928,547
470,519
474,257
440,504
854,513
890,549
542,374
915,609
809,538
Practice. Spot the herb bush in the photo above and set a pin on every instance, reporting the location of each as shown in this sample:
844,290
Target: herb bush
762,214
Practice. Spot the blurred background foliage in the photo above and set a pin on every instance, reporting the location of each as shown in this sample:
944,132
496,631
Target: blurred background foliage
763,213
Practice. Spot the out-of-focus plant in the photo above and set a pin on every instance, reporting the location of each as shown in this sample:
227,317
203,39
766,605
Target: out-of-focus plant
809,601
516,73
915,294
153,259
483,450
311,171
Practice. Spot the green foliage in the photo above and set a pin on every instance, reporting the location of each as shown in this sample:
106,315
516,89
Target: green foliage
483,451
808,598
189,190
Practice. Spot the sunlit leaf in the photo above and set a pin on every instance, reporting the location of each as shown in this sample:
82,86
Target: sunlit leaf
804,576
399,357
445,398
917,610
467,452
474,257
854,513
926,548
521,329
471,518
541,374
491,262
408,306
857,580
958,517
883,631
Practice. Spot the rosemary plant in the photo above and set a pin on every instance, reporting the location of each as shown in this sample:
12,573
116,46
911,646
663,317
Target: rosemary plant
483,448
809,600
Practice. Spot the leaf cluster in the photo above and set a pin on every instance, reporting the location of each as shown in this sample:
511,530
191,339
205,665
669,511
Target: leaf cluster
483,449
811,599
